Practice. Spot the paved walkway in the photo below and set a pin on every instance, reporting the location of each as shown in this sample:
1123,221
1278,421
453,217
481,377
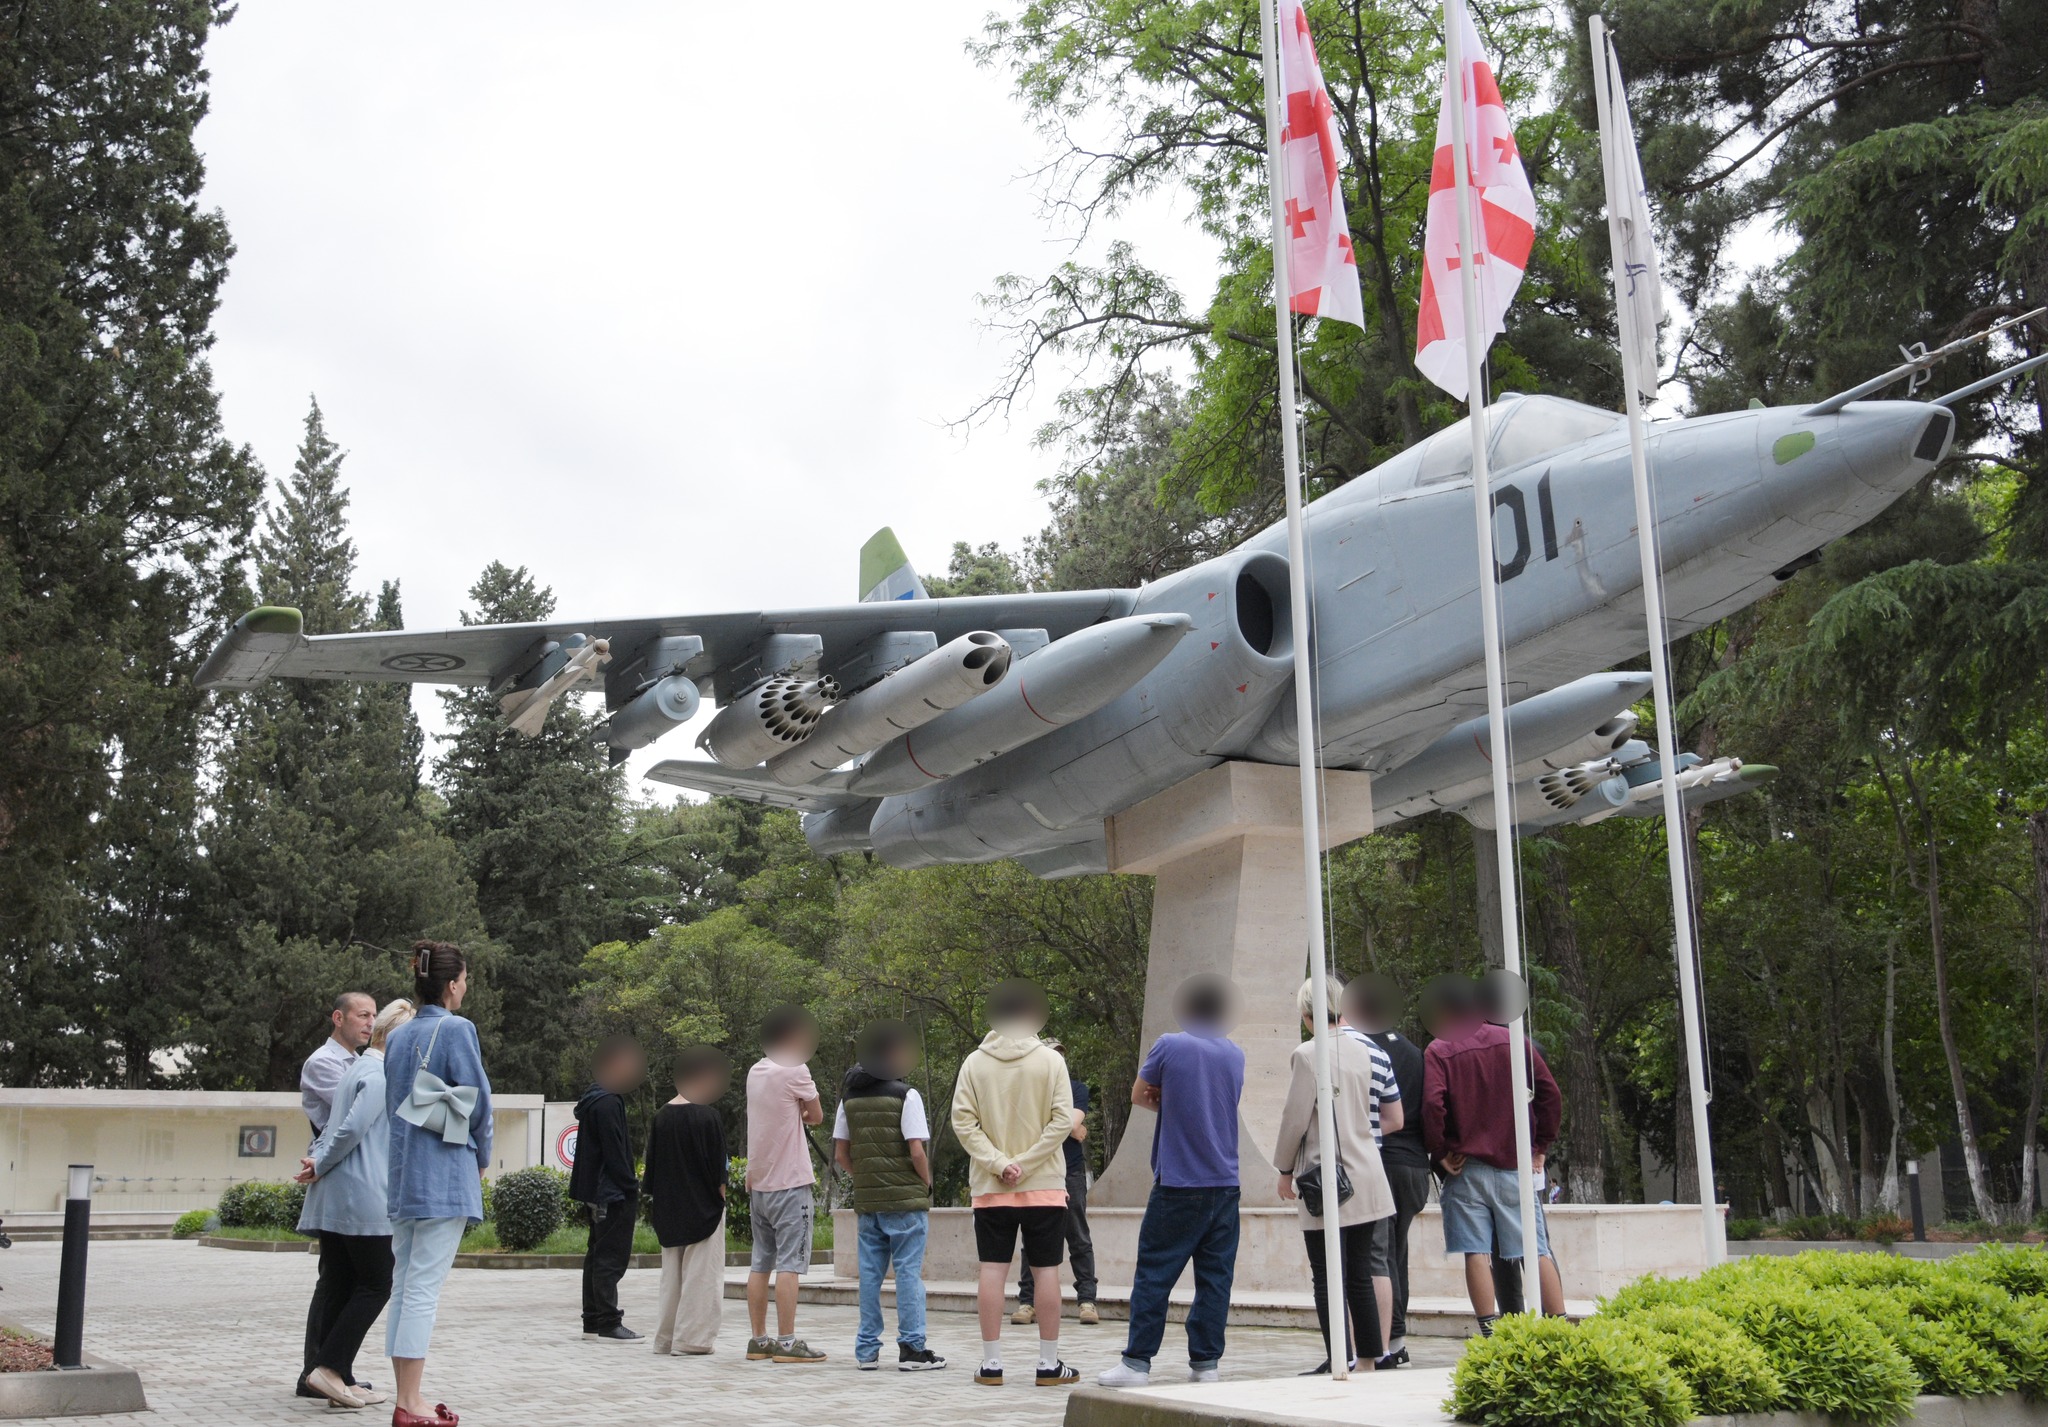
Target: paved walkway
217,1335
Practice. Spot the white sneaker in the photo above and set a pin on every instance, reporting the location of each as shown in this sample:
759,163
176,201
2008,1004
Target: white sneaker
1204,1375
1123,1375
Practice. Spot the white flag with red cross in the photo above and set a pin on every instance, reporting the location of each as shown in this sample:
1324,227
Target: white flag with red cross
1503,219
1322,271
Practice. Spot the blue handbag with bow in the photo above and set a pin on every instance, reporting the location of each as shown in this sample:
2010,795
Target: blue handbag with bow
436,1106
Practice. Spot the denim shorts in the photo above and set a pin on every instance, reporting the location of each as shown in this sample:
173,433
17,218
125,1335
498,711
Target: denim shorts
1482,1214
782,1229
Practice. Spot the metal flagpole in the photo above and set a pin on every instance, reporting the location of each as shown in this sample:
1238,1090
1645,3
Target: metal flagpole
1304,705
1611,140
1489,633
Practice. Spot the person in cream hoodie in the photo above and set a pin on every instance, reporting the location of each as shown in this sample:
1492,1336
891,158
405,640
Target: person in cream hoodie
1012,1111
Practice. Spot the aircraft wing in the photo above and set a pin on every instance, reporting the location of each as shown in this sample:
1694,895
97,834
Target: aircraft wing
752,785
270,641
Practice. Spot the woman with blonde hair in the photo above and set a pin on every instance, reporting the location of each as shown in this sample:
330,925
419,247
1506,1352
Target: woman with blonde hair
349,1174
440,1104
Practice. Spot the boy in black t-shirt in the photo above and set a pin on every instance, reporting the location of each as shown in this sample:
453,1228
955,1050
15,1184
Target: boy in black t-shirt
1080,1245
685,1184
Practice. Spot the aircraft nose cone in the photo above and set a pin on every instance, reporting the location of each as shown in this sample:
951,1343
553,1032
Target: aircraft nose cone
1892,444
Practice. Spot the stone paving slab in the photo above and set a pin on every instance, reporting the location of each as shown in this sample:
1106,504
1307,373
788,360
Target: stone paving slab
217,1338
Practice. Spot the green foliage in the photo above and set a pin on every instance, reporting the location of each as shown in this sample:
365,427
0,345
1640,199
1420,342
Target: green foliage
261,1204
192,1223
528,1205
1725,1370
739,1207
1546,1372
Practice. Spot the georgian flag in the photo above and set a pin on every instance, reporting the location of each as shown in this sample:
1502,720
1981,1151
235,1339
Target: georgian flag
1322,272
1503,224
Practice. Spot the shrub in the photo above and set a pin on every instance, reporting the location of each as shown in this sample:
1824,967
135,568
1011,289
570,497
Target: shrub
192,1223
1884,1229
261,1204
1740,1230
1546,1372
2020,1271
1724,1369
739,1215
1830,1358
528,1205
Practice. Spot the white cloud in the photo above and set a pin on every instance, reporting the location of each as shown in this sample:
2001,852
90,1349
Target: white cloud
668,302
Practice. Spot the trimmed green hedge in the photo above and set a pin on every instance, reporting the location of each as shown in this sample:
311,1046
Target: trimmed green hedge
192,1223
1856,1336
262,1204
527,1205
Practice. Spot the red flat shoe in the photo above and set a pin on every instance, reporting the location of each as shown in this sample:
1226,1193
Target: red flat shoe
442,1413
401,1418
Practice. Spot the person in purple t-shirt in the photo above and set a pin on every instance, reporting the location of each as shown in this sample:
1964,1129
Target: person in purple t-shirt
1192,1079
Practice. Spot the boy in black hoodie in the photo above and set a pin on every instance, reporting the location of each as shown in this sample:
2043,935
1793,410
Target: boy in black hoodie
604,1179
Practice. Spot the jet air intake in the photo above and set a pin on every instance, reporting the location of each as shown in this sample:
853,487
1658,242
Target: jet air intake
770,718
909,698
1067,680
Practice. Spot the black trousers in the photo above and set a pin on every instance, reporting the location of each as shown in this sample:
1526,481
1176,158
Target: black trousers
354,1286
604,1263
1410,1184
1359,1303
1080,1244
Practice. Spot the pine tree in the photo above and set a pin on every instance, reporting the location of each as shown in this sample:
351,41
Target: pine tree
542,831
322,861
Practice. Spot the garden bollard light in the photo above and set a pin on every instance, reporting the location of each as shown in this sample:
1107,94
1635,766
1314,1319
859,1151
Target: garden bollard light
1913,1196
68,1349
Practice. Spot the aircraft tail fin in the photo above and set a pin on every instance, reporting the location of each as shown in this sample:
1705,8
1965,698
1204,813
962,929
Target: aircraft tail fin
886,572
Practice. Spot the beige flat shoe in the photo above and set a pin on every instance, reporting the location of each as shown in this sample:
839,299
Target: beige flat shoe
331,1387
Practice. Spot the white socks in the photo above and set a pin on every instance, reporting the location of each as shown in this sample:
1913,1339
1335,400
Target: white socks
1048,1354
992,1353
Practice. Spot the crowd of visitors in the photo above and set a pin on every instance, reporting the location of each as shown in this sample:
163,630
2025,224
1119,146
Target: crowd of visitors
400,1106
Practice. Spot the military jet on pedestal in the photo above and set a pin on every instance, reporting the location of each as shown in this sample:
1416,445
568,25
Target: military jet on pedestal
1011,726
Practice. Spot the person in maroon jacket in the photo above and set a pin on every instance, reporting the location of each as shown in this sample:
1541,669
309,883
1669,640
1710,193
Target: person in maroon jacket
1468,1129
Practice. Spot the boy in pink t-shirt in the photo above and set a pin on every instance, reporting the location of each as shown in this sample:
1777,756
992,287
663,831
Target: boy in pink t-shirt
781,1100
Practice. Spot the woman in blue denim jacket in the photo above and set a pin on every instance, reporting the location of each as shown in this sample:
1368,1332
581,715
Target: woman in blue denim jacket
439,1100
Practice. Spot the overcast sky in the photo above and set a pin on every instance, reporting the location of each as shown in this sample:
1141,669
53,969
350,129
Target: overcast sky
669,303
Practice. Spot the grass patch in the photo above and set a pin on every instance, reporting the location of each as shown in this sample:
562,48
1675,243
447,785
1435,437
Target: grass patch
569,1239
261,1234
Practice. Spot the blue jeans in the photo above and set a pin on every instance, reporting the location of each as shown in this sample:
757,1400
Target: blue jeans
1179,1225
422,1252
887,1239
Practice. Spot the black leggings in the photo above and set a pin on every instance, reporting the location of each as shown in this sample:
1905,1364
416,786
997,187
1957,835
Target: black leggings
355,1284
1363,1308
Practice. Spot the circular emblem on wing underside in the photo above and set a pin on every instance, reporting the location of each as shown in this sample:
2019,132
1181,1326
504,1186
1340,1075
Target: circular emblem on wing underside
422,663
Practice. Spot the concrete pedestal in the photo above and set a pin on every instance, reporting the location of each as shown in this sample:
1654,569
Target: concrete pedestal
1224,848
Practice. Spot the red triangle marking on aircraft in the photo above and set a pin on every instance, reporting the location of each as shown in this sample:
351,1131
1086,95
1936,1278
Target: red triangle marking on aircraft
1242,687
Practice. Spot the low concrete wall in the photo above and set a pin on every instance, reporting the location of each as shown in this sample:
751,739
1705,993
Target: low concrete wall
1599,1248
157,1153
97,1388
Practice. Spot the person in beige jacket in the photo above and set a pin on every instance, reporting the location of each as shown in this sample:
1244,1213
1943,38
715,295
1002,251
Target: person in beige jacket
1012,1110
1297,1151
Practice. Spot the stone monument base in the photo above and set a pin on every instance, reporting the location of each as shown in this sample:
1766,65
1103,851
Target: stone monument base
1599,1248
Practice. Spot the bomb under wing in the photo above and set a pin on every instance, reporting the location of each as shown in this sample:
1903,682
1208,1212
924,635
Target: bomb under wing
1067,680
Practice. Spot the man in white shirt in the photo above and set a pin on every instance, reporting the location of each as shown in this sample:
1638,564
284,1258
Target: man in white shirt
353,1018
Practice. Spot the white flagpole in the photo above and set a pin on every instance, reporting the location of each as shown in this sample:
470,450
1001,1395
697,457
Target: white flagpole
1604,74
1304,706
1489,633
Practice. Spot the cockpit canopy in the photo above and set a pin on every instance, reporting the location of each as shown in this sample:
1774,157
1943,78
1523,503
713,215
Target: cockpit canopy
1523,428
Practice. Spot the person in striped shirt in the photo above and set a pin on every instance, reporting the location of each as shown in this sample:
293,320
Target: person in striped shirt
1387,1117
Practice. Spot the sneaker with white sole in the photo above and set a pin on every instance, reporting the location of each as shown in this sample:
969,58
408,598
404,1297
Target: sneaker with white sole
1089,1317
1204,1375
1058,1375
798,1351
918,1359
1122,1375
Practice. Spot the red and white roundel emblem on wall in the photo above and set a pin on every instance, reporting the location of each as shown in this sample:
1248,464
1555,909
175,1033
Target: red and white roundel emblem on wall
565,1148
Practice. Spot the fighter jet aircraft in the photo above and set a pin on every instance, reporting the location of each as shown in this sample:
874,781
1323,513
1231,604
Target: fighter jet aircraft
1011,726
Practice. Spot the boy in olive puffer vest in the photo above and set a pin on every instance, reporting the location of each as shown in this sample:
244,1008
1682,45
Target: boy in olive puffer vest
879,1138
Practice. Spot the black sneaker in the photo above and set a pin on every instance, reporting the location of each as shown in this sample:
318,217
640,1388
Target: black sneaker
1058,1375
919,1359
617,1333
988,1376
1396,1359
